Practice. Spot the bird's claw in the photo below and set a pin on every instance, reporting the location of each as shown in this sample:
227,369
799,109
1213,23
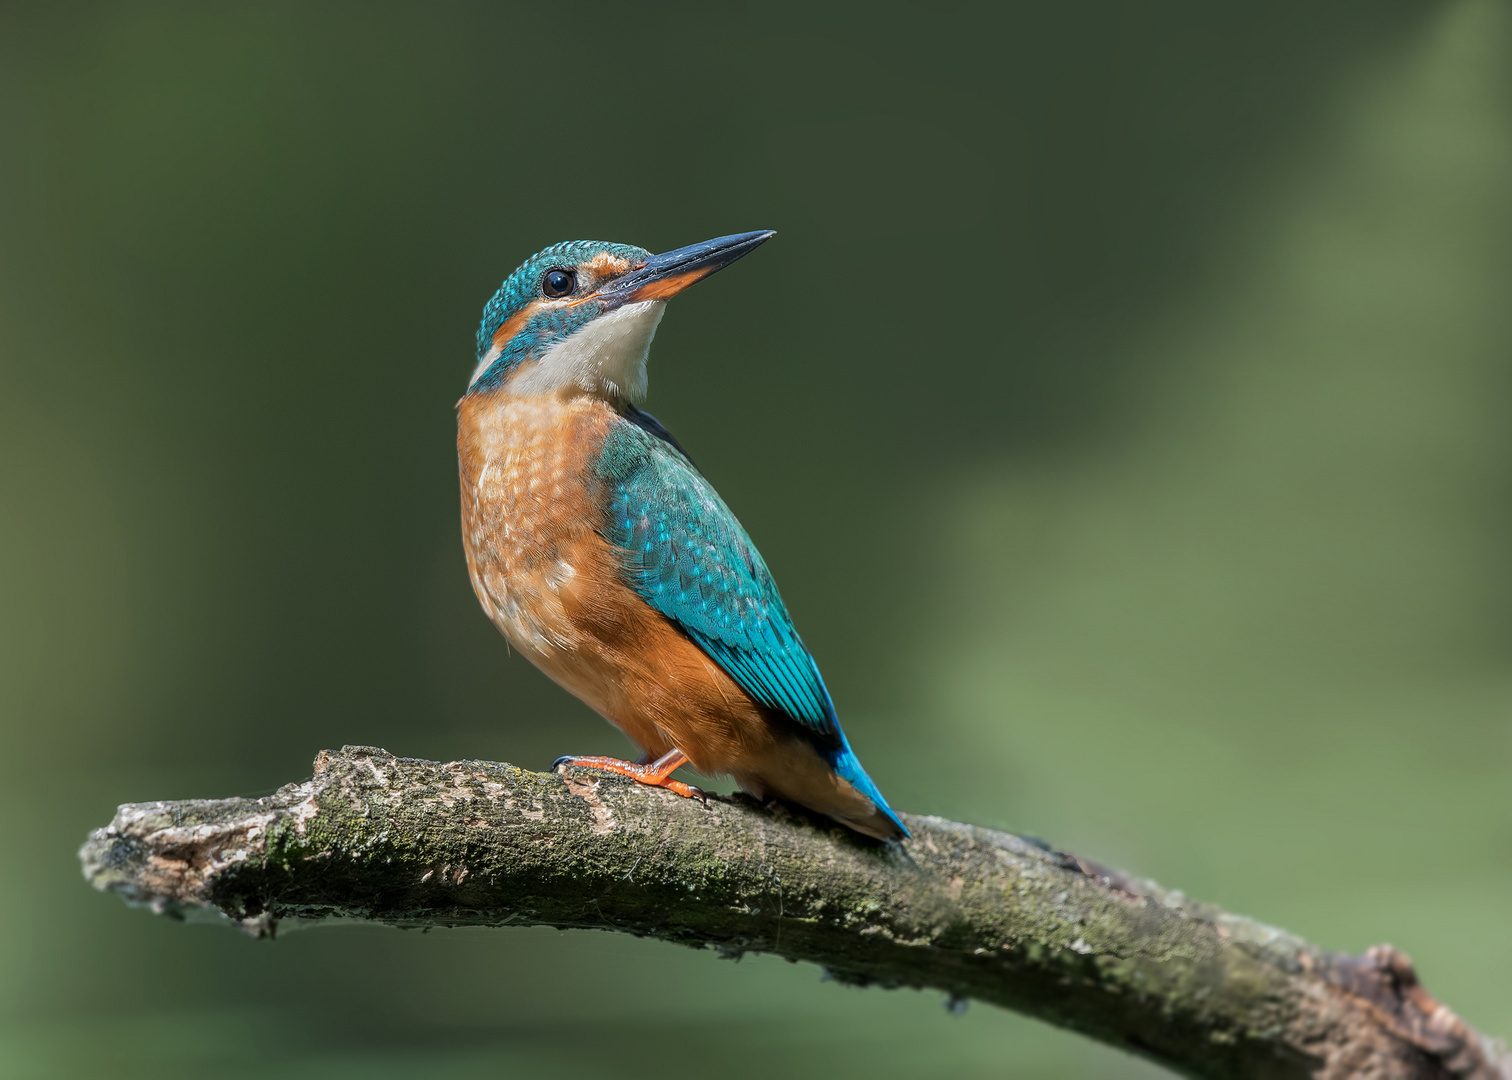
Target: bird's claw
687,791
655,774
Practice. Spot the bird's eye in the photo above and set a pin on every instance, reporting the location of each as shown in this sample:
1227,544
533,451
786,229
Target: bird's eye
557,283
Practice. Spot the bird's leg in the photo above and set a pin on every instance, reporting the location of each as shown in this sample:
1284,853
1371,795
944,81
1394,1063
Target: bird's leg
656,773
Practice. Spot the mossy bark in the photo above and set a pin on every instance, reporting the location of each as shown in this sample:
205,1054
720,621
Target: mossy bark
975,913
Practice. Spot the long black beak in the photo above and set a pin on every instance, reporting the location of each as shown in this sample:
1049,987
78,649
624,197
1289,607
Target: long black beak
663,276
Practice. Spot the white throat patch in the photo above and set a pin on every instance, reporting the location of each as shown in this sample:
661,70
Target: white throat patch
606,357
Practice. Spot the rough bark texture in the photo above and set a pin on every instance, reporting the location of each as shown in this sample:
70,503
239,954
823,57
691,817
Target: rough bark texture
975,913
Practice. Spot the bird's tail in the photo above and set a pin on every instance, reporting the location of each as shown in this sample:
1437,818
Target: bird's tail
884,825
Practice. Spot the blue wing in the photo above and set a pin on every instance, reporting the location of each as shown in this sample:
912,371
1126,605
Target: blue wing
688,557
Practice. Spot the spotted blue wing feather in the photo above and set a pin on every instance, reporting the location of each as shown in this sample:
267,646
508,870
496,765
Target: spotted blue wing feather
687,556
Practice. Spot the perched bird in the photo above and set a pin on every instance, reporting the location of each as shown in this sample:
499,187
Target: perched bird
603,555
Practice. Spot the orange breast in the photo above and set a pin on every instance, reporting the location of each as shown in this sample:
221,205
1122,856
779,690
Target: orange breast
526,514
531,506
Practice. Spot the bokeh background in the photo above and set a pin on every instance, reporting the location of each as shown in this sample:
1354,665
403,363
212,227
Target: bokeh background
1122,406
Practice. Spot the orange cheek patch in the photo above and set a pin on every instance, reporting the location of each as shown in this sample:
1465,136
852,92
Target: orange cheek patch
514,324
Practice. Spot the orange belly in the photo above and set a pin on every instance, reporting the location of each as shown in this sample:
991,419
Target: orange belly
531,511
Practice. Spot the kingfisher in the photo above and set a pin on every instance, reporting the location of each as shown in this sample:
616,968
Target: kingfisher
605,557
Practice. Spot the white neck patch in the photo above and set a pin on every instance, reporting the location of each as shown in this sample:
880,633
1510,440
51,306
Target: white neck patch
607,357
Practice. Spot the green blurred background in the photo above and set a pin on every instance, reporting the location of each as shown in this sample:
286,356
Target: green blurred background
1122,407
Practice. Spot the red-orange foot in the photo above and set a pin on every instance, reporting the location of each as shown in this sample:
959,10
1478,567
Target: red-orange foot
657,773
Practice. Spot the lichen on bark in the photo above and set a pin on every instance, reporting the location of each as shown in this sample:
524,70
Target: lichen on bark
975,913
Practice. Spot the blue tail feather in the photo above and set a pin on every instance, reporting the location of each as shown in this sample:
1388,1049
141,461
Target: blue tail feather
848,767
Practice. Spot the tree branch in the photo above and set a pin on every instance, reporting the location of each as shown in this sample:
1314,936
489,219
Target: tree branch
975,913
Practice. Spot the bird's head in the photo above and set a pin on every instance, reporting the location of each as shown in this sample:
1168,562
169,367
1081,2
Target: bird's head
579,316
